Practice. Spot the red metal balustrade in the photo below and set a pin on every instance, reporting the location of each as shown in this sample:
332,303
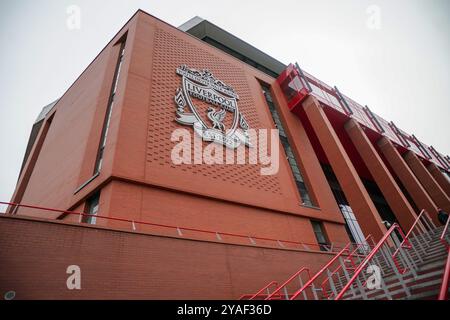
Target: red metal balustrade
320,272
344,254
280,243
443,292
384,240
260,293
297,84
349,258
287,282
352,254
423,223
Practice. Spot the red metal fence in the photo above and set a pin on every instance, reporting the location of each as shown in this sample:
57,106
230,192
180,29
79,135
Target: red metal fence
180,231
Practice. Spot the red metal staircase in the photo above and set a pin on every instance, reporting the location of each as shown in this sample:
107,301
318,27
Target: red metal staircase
412,266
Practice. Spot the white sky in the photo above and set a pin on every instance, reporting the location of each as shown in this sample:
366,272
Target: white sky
401,70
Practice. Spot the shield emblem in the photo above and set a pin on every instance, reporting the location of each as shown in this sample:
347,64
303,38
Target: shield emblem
211,107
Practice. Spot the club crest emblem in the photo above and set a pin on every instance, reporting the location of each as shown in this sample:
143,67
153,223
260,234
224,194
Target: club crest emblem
215,115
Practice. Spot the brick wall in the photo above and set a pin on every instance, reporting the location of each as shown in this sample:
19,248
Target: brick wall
115,264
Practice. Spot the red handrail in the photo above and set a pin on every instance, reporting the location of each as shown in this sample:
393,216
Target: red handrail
133,222
444,231
405,243
443,292
350,256
307,284
422,213
249,295
289,281
375,250
271,283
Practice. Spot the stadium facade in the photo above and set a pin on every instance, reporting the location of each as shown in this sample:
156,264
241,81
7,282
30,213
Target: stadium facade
155,229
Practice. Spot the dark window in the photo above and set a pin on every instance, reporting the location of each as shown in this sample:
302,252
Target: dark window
351,224
321,236
92,209
299,181
101,149
379,201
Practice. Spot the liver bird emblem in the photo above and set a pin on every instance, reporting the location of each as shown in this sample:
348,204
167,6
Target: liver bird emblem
217,118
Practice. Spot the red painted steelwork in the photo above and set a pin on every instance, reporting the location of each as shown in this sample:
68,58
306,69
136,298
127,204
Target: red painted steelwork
273,283
298,273
293,85
405,243
297,85
132,223
349,258
443,293
360,268
321,271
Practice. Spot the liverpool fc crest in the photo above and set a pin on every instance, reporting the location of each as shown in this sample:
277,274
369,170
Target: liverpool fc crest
215,115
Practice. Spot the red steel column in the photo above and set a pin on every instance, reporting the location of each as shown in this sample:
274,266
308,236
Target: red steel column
440,178
435,191
407,177
354,190
391,191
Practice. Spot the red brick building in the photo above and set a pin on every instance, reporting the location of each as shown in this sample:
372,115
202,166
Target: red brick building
161,230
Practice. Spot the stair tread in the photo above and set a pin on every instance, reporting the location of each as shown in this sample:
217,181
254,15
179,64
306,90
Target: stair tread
429,258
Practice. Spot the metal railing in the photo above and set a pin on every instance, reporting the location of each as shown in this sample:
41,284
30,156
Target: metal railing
421,225
361,267
382,250
397,260
284,286
405,258
179,231
359,252
396,255
333,98
260,293
310,283
443,292
359,247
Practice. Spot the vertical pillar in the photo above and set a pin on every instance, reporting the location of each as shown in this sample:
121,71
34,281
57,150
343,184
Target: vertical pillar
354,190
407,177
439,177
391,191
435,191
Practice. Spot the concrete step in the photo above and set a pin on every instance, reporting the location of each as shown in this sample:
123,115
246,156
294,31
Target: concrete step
429,272
428,260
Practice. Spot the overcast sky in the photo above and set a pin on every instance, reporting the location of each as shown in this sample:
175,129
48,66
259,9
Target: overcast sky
391,55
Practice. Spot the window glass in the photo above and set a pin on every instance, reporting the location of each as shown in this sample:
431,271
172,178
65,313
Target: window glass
92,209
298,177
100,153
352,226
320,235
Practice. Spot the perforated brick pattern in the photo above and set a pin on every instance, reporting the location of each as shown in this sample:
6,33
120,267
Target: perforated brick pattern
169,53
